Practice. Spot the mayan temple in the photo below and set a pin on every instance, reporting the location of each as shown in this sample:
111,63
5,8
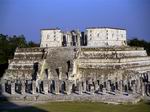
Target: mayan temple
95,65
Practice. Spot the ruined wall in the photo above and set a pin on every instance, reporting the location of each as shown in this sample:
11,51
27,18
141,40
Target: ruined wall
111,62
26,63
59,62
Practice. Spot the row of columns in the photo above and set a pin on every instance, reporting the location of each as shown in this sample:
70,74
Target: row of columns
34,87
127,86
136,85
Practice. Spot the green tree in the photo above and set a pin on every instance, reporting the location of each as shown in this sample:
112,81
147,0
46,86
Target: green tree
32,44
140,43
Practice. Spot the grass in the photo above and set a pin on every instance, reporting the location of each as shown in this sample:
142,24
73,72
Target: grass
84,107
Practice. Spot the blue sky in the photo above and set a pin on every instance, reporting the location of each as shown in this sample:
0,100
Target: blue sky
29,16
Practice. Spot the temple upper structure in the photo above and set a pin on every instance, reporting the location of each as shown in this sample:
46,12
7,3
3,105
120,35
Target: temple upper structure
92,37
51,38
105,37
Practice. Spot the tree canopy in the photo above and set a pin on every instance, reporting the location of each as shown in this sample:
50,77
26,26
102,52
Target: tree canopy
140,43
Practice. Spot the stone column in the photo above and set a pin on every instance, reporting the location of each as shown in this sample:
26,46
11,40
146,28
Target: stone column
45,86
68,87
134,89
148,76
120,86
108,87
142,89
60,73
84,85
23,89
57,86
125,83
3,88
104,90
80,87
92,91
34,87
96,87
13,88
49,86
138,85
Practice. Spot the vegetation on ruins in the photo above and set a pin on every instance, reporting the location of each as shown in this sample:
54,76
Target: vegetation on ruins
8,44
140,43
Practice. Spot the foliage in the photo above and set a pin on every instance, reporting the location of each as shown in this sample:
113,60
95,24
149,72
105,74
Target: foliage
8,45
140,43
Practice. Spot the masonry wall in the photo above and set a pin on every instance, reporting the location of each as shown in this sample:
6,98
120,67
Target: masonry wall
103,37
51,38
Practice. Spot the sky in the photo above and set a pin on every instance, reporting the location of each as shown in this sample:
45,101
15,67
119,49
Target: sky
27,17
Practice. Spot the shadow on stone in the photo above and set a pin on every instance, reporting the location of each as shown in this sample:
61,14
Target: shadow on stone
3,67
8,106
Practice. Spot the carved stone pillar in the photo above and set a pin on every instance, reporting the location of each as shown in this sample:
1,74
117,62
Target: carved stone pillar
68,87
148,76
49,86
101,85
3,88
60,73
138,85
104,90
120,86
80,87
57,84
45,86
34,87
13,88
23,88
134,89
97,87
108,87
92,91
142,89
84,86
125,84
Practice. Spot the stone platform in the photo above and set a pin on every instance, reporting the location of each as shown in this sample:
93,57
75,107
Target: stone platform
107,98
